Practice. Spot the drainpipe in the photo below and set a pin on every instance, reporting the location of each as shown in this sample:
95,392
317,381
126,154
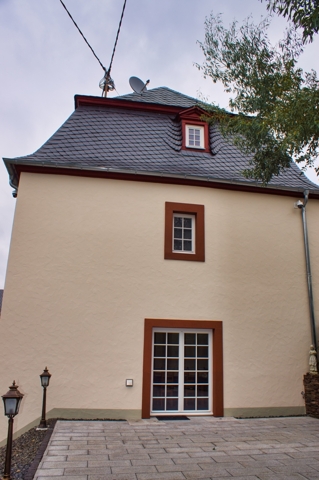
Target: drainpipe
302,207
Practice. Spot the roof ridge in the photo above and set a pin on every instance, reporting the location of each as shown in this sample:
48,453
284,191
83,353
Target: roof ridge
158,89
162,96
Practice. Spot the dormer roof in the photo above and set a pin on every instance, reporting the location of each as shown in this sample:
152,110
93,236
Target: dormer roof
192,113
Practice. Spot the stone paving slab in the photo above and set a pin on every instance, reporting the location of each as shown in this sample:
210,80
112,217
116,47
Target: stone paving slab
204,448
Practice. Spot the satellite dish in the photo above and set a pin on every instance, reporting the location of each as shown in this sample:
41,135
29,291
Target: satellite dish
138,85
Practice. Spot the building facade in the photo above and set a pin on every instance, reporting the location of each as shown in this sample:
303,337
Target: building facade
149,275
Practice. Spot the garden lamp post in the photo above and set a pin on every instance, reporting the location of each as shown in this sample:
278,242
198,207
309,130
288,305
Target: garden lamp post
11,401
45,380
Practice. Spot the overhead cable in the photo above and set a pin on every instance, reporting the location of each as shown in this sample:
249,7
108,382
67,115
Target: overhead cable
117,37
83,36
106,83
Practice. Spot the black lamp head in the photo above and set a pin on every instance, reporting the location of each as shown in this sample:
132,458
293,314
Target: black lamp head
12,400
45,377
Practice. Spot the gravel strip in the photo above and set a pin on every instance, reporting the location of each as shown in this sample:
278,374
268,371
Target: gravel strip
25,450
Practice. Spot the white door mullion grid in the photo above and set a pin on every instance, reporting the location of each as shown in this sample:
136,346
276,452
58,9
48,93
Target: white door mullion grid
162,384
181,373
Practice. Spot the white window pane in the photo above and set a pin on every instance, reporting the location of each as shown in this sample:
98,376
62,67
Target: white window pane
178,245
187,245
178,233
183,233
194,136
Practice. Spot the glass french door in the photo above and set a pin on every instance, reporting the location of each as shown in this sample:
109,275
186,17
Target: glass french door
181,371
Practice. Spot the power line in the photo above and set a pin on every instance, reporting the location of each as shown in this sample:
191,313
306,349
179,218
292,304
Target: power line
106,83
83,36
117,37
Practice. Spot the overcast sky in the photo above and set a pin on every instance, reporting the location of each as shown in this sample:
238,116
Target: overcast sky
44,62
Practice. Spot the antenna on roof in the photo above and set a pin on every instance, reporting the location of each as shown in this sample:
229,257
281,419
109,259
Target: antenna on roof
107,84
138,85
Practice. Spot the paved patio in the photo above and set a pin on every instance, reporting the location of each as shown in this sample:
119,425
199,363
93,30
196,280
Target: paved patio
201,448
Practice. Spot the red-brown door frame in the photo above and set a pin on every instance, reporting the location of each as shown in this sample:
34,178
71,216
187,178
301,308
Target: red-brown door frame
217,330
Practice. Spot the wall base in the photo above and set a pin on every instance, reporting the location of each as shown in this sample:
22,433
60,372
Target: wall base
264,412
94,413
80,413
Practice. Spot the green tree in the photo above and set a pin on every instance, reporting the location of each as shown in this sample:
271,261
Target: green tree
303,13
275,104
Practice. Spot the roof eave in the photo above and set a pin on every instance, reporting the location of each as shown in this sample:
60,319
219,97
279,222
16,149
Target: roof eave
13,176
210,180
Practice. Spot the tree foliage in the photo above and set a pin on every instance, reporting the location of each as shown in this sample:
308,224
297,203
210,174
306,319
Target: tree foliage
303,14
276,103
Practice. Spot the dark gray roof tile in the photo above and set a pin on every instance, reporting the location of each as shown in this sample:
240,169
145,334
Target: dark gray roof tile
162,96
146,142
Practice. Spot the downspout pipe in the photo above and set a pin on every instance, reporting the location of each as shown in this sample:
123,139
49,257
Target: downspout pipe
302,207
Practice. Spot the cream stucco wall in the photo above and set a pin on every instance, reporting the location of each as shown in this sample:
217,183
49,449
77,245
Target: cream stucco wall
86,267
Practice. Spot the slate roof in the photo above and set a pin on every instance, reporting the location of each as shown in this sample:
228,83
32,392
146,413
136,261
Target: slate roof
125,140
162,96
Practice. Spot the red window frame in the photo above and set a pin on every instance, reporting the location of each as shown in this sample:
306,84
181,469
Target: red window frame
190,209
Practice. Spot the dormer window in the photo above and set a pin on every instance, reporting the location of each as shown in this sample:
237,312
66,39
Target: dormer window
194,136
195,131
